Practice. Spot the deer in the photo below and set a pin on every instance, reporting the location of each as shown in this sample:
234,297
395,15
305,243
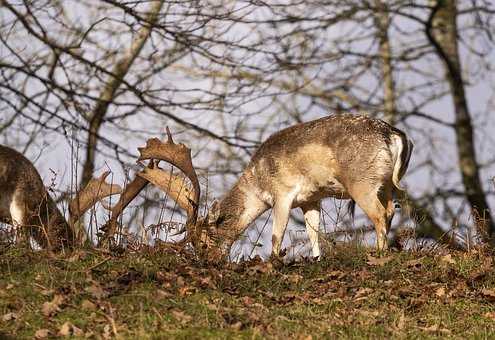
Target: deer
343,156
26,203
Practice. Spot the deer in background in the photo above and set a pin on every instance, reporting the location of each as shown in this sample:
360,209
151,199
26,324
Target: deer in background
343,156
25,202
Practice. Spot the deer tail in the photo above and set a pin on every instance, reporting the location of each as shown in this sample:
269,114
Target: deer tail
401,148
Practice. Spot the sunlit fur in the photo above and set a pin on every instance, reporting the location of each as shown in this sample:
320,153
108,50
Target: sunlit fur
341,156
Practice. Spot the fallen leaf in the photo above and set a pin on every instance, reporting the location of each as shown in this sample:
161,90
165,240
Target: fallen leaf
490,315
417,301
263,267
248,301
378,261
77,255
88,305
369,314
10,316
478,275
319,301
447,259
435,329
401,322
415,263
207,282
180,282
186,290
42,333
107,332
52,307
68,329
162,294
96,291
488,293
336,274
77,331
362,293
47,292
181,316
440,292
236,326
294,278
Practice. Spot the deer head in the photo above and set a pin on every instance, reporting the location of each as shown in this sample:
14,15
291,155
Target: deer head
186,196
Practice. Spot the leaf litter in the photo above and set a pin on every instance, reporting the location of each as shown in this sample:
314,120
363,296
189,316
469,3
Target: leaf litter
397,294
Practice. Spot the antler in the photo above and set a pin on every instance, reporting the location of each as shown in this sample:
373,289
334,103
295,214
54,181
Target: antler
95,190
130,192
174,185
180,156
176,154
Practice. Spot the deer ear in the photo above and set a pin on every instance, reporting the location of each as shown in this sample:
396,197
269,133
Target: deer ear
214,213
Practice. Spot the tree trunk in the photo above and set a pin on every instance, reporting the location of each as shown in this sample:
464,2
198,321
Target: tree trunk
428,228
108,92
441,30
382,22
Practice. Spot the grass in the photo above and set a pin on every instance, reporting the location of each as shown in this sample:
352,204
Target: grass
160,293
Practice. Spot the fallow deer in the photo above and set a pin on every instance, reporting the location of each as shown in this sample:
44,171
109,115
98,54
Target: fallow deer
343,156
25,202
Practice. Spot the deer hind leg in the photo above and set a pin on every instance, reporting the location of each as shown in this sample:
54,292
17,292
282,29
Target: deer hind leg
377,203
312,219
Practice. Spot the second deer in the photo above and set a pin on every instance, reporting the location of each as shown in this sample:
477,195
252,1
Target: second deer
25,202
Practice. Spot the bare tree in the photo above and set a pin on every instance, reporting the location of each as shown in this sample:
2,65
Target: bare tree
104,76
441,29
116,77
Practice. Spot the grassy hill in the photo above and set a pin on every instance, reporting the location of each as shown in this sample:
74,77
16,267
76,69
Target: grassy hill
164,293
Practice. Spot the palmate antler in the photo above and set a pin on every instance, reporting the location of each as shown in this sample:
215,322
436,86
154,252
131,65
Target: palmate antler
130,192
95,190
176,154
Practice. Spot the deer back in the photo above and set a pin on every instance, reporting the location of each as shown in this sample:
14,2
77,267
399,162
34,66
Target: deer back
333,152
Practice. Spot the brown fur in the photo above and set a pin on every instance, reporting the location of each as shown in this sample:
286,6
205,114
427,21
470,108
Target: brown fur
341,156
20,181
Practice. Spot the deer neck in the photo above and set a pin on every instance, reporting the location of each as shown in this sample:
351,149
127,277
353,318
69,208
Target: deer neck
239,207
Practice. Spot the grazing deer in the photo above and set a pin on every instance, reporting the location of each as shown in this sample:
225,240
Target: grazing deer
25,202
343,156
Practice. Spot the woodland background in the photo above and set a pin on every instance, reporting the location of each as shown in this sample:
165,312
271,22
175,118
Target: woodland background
84,83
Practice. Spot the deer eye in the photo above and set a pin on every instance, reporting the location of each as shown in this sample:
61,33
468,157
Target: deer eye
220,220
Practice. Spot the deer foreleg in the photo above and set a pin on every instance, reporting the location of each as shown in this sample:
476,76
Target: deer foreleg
281,211
18,219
